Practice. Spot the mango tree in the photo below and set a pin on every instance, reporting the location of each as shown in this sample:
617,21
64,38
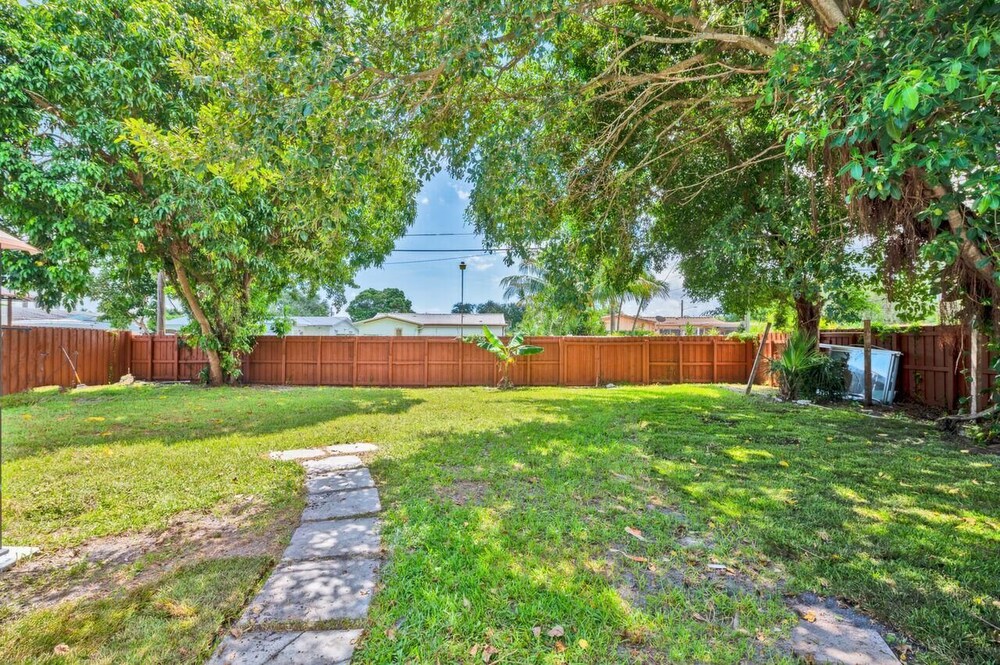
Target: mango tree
241,147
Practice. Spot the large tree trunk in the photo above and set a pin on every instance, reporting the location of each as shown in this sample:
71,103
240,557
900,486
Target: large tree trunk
807,315
215,375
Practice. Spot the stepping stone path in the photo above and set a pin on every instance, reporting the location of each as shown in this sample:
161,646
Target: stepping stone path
327,573
830,633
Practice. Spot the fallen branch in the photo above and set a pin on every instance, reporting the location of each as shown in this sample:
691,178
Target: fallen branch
950,423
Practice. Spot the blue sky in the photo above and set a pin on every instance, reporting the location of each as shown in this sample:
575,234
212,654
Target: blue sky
431,280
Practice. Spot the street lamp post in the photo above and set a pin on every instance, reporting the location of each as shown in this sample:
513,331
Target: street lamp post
461,305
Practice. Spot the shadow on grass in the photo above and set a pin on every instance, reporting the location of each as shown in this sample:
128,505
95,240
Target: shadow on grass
511,527
126,415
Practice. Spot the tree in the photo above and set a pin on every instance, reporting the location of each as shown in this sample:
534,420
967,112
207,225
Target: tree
302,300
577,114
125,297
239,147
370,302
513,312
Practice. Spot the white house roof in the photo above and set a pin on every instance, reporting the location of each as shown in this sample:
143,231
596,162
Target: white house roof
442,319
320,320
332,321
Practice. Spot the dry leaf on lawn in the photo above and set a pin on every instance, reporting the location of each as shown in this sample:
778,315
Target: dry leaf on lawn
556,631
632,557
632,531
537,631
810,617
488,652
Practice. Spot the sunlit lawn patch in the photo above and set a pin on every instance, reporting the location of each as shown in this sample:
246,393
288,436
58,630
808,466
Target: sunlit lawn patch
659,523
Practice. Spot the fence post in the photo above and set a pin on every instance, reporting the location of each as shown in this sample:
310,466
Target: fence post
562,361
177,361
426,362
354,364
319,361
680,358
388,367
461,361
715,360
527,362
974,368
645,361
868,362
152,345
597,364
284,364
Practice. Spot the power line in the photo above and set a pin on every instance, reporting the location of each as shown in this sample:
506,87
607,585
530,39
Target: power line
421,235
450,258
459,249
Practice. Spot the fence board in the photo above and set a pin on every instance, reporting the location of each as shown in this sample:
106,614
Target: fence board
34,357
933,371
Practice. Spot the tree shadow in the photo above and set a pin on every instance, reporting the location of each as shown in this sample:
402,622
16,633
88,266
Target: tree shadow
522,519
171,414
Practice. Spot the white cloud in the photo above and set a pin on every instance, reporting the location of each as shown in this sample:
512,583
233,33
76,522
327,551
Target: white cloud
462,192
425,200
481,263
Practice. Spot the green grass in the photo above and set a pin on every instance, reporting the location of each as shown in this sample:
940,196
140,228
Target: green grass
507,511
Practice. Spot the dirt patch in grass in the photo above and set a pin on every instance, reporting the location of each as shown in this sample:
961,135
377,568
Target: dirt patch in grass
463,492
103,566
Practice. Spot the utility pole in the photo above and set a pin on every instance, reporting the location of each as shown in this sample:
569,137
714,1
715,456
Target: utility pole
461,306
160,304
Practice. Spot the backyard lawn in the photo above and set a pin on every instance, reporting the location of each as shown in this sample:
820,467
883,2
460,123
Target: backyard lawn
635,524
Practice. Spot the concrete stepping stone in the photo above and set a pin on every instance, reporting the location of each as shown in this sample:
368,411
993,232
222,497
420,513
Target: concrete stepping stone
826,634
292,648
330,505
336,481
351,448
323,465
334,538
296,455
315,591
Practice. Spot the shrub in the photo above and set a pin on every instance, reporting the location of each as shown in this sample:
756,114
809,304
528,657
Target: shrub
803,372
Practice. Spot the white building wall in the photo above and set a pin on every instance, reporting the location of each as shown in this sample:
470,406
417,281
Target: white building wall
386,327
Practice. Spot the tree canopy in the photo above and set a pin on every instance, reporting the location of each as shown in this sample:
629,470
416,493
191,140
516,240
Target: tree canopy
370,302
239,146
581,120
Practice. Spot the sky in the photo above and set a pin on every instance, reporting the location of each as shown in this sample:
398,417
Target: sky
432,280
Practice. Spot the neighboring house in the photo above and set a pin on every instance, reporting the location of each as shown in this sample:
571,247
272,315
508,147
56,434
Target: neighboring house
301,325
322,325
25,314
427,325
673,325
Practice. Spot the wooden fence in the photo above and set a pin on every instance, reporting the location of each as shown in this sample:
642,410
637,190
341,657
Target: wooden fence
935,364
35,357
446,361
933,371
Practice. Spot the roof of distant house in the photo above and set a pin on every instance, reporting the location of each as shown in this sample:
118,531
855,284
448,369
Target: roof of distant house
679,321
421,319
56,318
179,322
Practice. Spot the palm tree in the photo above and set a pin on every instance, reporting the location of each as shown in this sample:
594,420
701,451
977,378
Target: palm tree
641,290
527,284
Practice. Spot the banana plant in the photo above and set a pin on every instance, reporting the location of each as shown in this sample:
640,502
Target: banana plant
505,353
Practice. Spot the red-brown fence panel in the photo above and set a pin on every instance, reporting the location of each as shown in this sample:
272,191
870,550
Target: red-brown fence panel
34,357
